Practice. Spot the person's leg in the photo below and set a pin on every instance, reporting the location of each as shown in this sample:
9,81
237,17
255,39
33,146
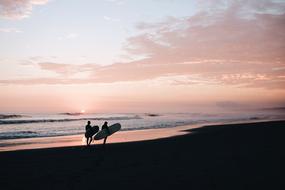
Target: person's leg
105,140
88,141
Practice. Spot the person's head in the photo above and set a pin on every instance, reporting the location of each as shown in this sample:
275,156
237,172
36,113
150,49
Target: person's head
105,123
88,122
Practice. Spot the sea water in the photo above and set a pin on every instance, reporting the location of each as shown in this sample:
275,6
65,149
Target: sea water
47,125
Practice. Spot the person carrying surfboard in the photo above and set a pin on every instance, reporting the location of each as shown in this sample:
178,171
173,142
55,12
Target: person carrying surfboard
105,126
87,128
107,131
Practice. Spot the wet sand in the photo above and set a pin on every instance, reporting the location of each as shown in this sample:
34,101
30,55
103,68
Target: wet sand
236,156
78,140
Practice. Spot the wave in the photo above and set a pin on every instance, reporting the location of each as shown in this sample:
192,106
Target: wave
72,114
24,121
152,114
33,134
8,116
18,134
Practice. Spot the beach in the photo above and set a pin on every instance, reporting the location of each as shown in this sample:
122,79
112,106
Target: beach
78,140
233,156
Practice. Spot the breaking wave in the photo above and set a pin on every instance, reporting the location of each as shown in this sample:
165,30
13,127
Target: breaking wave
24,121
18,134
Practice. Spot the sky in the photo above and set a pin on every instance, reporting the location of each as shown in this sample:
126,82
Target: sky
114,56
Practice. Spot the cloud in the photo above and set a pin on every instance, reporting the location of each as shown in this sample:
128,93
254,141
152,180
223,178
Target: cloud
188,73
66,69
235,43
10,30
111,19
51,81
246,37
68,36
18,9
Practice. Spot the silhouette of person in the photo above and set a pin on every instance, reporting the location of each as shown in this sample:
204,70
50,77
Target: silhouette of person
87,128
105,126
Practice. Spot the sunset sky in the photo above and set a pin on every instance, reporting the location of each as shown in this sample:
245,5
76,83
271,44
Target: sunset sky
141,56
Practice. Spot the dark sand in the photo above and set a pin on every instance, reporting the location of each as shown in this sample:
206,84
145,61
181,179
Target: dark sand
240,156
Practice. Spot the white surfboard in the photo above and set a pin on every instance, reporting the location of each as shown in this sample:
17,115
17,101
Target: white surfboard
104,133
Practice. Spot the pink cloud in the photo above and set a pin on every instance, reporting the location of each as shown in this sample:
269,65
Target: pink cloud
66,69
18,9
239,43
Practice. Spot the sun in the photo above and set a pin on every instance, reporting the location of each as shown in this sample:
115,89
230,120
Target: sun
82,111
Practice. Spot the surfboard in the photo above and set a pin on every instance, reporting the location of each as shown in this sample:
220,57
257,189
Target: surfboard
104,133
92,131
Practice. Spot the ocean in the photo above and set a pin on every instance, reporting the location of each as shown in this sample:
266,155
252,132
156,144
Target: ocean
14,126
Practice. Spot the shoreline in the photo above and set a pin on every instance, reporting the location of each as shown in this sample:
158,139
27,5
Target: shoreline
232,156
119,137
78,140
